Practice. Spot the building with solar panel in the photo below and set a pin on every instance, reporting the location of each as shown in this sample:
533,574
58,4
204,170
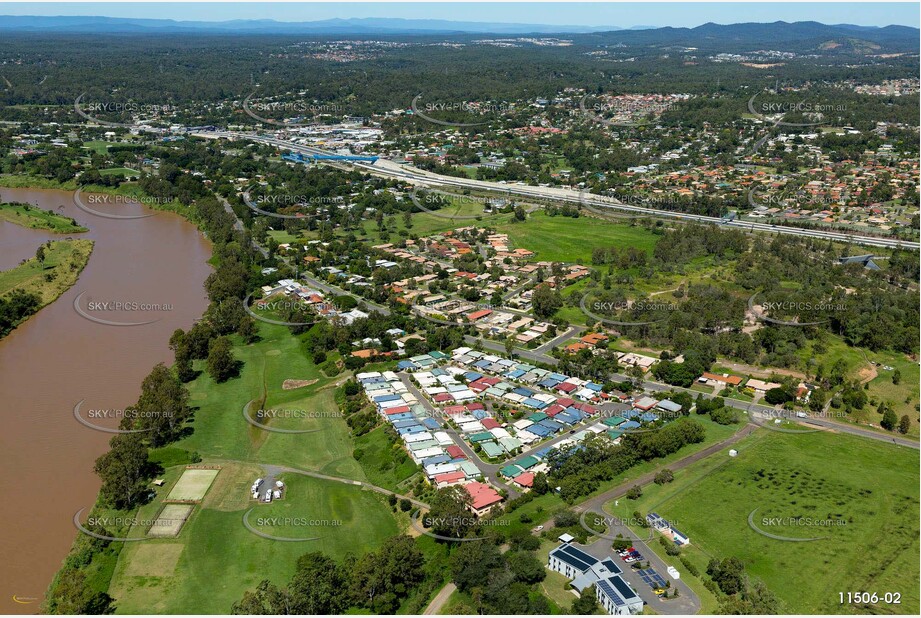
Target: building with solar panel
617,597
614,594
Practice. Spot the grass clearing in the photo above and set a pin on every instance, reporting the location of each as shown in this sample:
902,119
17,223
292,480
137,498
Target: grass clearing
797,488
35,218
345,518
156,560
383,465
221,432
564,239
64,261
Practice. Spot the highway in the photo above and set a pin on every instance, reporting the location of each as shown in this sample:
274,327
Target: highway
411,174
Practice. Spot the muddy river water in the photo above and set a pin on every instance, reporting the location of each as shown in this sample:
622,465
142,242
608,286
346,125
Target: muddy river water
154,267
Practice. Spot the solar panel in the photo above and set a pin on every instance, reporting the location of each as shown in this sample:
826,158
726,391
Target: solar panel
622,587
611,566
610,592
574,557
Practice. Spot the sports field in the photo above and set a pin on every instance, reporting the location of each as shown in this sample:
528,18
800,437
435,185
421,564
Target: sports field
863,517
216,558
170,520
192,485
220,558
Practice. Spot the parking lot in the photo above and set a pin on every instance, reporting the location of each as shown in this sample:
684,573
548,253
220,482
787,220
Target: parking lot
687,602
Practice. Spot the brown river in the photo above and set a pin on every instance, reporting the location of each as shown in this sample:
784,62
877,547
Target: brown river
154,267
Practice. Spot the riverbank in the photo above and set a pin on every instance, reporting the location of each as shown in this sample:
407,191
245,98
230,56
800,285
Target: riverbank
46,279
28,216
129,190
58,359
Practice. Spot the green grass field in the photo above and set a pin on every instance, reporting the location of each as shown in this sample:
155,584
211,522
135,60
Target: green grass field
38,219
789,476
379,461
97,146
425,223
564,239
215,558
64,261
221,432
543,508
904,396
119,171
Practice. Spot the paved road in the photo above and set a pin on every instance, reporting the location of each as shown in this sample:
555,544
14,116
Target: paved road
489,471
331,289
754,410
440,599
238,225
388,169
573,331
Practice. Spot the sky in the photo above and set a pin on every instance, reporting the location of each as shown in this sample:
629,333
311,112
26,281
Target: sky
624,15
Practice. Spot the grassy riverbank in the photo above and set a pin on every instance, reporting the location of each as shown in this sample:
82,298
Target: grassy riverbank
29,216
41,281
126,189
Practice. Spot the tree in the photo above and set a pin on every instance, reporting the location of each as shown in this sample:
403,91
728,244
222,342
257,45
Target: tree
162,407
225,316
266,600
634,493
221,363
545,301
123,471
896,377
248,330
526,567
904,424
40,255
378,578
778,395
587,603
890,420
449,515
472,562
72,596
319,585
728,574
664,476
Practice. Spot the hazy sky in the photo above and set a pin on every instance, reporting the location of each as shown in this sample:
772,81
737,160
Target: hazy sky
584,13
